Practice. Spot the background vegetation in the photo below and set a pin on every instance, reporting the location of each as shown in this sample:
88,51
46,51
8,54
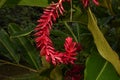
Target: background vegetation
19,58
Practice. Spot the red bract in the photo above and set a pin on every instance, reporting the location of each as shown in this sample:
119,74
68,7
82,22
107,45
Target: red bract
74,73
43,41
86,2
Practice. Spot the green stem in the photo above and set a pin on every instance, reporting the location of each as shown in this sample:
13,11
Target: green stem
78,33
19,65
71,11
71,31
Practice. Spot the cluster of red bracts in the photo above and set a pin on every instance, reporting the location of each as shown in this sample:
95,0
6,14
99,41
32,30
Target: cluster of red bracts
75,73
44,42
42,34
86,2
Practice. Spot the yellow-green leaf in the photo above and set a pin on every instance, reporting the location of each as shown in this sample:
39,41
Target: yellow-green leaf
108,5
56,73
2,2
40,3
102,45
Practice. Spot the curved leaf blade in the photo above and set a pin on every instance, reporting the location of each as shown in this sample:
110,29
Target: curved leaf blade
56,74
40,3
22,33
31,55
2,2
102,45
5,40
98,68
4,52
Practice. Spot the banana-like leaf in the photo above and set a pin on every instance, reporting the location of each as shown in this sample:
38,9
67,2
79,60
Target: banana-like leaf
31,55
5,40
40,3
14,72
4,52
22,33
11,3
102,45
98,68
2,2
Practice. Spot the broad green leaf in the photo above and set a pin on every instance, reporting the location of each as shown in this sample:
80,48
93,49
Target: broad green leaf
15,72
45,63
46,69
98,68
59,33
58,38
79,16
28,76
22,33
4,52
2,2
5,40
102,45
31,55
56,73
40,3
11,3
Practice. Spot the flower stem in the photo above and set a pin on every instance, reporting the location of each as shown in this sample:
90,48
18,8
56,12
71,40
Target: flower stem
71,11
78,32
71,31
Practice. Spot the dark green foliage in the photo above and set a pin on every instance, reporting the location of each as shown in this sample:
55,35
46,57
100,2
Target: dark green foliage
19,57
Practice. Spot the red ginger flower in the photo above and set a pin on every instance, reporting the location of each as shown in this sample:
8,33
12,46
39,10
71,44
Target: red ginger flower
44,42
86,2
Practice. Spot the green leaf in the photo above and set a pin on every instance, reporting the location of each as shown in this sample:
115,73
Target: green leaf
98,68
28,76
102,45
108,5
11,3
40,3
5,40
70,29
56,73
2,2
31,55
4,52
58,38
15,72
22,33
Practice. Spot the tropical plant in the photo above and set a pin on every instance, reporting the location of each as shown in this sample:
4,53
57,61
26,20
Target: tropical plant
89,28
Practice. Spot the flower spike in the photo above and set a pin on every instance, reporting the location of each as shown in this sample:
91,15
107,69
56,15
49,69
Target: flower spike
43,41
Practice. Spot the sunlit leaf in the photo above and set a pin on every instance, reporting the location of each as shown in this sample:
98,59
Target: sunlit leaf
2,2
40,3
102,45
11,3
98,68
